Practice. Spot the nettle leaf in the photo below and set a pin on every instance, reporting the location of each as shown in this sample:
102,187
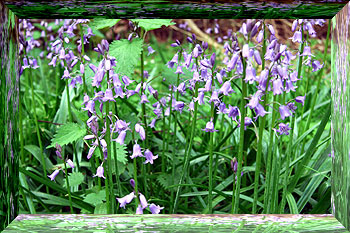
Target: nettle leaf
121,153
151,24
101,208
165,180
67,133
127,54
74,178
103,23
96,198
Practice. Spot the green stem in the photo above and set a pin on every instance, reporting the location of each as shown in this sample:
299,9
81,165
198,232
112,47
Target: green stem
145,142
67,182
188,150
210,195
37,125
262,121
235,193
109,153
286,174
216,156
21,123
71,120
82,55
313,103
136,188
267,200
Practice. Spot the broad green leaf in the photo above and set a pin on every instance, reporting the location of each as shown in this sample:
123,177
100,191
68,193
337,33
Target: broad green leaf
103,23
96,198
127,54
67,133
151,24
101,208
35,151
81,116
74,178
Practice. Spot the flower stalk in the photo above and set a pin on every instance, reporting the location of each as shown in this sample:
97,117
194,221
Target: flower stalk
236,193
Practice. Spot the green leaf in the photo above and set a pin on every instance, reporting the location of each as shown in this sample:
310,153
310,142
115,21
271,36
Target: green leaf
292,204
74,178
103,23
121,153
151,24
101,208
67,133
96,198
127,54
35,151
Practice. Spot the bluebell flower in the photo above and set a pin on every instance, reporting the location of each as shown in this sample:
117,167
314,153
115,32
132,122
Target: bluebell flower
100,172
150,50
155,209
126,199
149,157
210,127
284,112
54,174
283,129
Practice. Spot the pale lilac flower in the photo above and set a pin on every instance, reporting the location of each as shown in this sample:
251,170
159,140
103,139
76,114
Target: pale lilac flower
226,88
139,129
284,112
233,112
254,101
222,108
149,157
54,174
179,70
191,106
289,86
297,37
66,74
70,162
126,80
126,200
277,87
260,111
307,51
100,172
108,96
250,74
139,210
260,36
215,98
152,124
136,151
121,137
143,201
210,127
144,99
283,129
295,24
155,209
291,106
200,98
294,76
150,50
316,66
245,50
257,57
300,99
91,151
132,183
